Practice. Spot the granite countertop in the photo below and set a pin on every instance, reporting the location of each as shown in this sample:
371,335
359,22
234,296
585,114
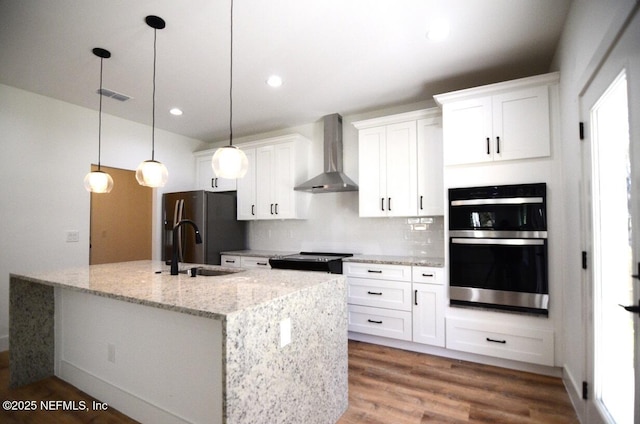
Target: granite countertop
397,260
258,253
214,297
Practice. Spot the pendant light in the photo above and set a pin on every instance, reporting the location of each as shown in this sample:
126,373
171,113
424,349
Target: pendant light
230,161
152,173
99,181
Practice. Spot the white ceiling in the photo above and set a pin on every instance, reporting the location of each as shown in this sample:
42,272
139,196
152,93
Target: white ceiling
345,56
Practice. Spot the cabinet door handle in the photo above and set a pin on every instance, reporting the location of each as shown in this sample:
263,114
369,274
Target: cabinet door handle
374,271
374,321
496,341
376,293
213,183
253,210
272,209
427,275
389,203
421,207
261,263
415,297
498,145
276,209
227,261
382,203
488,141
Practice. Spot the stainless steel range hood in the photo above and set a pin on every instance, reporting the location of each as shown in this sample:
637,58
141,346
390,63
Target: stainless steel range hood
332,179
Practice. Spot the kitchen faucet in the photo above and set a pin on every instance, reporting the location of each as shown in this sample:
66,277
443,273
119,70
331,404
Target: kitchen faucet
174,250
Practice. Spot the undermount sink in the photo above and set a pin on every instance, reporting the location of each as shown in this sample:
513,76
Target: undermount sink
206,272
213,272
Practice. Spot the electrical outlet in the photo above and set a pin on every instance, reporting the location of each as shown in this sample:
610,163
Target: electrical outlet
73,236
285,332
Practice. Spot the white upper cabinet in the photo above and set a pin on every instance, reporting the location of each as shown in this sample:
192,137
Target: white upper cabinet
504,121
400,165
276,166
429,161
206,178
247,189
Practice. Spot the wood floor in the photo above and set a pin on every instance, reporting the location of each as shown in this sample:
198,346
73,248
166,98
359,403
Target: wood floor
386,386
394,386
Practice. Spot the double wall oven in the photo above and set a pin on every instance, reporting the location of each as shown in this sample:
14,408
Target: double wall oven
498,247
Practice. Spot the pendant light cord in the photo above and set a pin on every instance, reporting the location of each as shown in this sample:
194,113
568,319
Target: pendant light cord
231,82
100,117
153,101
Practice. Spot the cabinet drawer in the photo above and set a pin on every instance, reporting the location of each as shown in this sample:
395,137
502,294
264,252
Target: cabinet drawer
379,293
425,274
377,271
380,322
230,260
502,341
254,262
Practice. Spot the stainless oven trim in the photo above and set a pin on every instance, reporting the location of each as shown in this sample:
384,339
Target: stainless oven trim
500,241
498,234
500,297
497,201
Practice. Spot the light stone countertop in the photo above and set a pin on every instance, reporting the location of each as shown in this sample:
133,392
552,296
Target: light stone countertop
213,297
397,260
258,253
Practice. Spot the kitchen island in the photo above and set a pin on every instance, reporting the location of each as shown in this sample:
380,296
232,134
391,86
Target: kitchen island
252,346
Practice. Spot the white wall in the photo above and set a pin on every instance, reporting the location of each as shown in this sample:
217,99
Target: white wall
589,27
47,147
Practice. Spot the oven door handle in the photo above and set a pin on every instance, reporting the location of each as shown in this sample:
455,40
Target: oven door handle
497,201
499,241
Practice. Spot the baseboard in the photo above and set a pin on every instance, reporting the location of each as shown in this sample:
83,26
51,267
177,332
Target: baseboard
574,389
128,403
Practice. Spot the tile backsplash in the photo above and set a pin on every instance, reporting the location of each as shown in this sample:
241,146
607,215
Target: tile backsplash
333,225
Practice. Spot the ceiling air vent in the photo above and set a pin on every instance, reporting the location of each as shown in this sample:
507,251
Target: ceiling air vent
113,94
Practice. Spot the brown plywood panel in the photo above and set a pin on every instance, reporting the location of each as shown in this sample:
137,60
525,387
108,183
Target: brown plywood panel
121,220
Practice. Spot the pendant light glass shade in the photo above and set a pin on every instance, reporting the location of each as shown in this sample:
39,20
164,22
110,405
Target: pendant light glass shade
99,181
230,162
152,173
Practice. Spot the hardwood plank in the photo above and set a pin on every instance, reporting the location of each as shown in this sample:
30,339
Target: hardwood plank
383,381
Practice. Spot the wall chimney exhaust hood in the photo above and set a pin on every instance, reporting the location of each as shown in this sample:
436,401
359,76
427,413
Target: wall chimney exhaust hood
332,179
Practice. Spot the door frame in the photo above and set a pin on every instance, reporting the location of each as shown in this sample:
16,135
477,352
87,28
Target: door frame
607,65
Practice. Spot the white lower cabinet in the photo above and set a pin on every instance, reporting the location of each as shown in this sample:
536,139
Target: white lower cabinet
230,261
396,301
428,314
501,340
244,261
254,262
380,322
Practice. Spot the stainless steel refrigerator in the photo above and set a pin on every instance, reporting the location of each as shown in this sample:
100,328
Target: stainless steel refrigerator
214,214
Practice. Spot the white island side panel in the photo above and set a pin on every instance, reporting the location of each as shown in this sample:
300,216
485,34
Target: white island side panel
153,365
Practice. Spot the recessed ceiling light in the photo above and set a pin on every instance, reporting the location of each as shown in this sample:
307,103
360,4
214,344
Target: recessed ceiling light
274,81
438,30
175,111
